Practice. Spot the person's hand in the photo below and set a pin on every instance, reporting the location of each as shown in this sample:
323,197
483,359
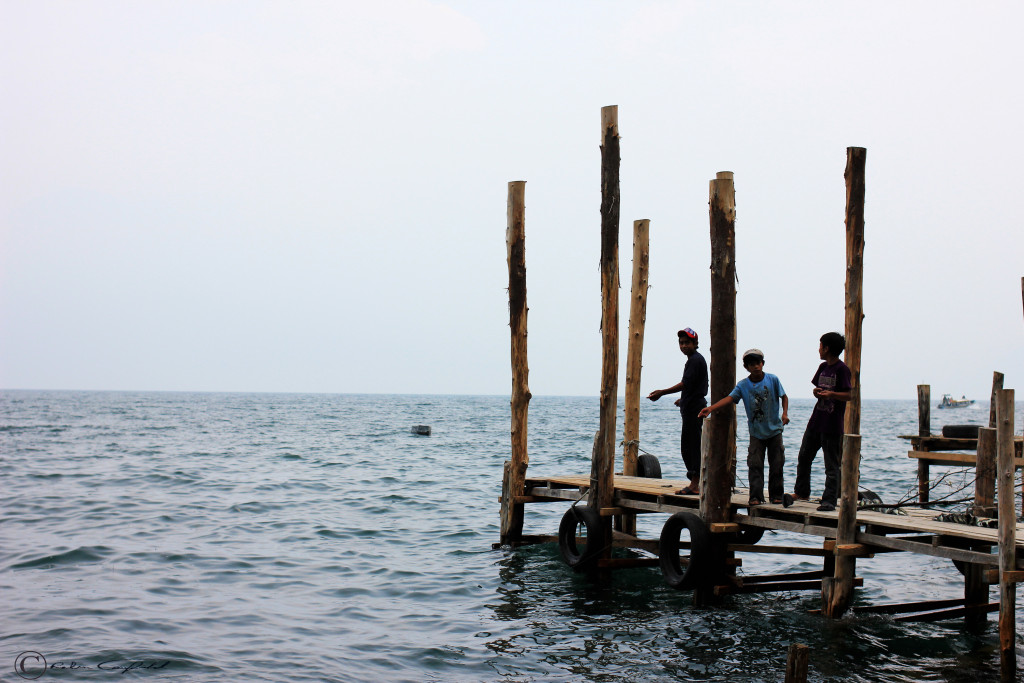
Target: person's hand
655,395
704,412
785,419
678,402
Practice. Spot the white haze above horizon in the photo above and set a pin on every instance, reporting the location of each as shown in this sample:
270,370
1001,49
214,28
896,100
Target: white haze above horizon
311,196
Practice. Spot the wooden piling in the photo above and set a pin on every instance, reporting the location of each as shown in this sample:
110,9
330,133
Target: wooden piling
985,474
603,463
515,469
796,663
634,356
838,590
924,428
716,479
997,385
855,162
976,592
1007,534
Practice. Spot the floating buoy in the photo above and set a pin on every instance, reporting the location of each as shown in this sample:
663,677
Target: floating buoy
422,430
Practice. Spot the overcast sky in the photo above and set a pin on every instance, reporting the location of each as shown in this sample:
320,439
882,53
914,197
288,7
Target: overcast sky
311,196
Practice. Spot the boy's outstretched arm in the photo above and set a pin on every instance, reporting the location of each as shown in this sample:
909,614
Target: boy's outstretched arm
658,393
715,406
785,409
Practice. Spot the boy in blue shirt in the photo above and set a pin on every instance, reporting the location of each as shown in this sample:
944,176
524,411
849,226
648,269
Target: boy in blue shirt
761,394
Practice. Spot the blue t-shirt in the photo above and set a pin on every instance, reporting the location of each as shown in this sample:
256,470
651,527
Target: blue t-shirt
761,401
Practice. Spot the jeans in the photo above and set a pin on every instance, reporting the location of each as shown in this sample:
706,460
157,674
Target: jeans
689,443
831,446
755,467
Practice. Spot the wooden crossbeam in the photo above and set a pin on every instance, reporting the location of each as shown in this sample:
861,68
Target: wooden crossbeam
955,613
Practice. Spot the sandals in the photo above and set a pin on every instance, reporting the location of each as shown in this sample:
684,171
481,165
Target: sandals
689,491
754,501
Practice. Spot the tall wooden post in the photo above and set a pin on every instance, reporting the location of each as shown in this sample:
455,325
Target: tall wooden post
976,591
634,356
1007,535
514,478
837,591
924,429
997,385
603,462
985,473
716,480
855,161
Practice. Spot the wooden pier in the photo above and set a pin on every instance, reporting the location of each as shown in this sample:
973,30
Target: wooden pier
699,542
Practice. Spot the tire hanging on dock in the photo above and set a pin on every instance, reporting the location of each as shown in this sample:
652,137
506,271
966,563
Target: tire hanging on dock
700,551
575,517
749,535
648,466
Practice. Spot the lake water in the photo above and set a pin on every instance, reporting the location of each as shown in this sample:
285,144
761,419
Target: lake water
290,537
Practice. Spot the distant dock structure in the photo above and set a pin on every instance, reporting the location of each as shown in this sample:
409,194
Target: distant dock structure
699,543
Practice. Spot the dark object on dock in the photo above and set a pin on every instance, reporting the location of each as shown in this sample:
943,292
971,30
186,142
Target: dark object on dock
960,431
647,465
422,430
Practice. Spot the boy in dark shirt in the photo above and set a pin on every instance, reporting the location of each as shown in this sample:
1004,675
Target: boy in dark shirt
832,387
694,387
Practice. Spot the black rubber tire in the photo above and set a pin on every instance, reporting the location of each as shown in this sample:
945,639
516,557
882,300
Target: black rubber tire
749,535
960,431
700,551
648,466
579,560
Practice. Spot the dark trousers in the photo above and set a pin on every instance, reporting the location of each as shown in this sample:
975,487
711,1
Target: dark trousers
831,446
755,467
689,444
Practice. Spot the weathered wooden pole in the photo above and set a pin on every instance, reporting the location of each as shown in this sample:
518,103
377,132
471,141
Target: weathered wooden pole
855,161
1008,574
924,429
602,469
997,385
716,479
837,591
976,593
796,663
985,473
717,471
634,356
514,478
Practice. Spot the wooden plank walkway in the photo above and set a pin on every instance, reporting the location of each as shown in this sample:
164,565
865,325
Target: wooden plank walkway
917,531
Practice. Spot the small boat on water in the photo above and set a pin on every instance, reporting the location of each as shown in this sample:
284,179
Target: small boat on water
950,402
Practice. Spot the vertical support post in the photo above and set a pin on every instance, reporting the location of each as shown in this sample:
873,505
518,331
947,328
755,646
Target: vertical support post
716,480
855,162
1007,535
717,469
985,474
976,591
796,663
997,385
634,356
514,478
837,591
924,429
602,474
